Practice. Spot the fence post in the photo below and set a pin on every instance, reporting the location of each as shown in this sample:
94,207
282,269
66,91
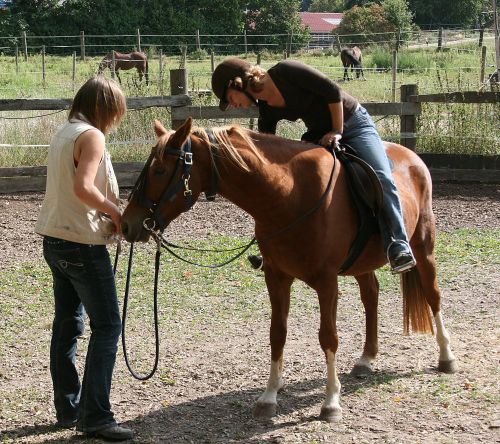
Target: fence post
245,43
43,65
440,39
483,65
25,46
198,43
160,79
17,59
182,63
258,58
138,38
212,61
74,70
337,39
394,73
178,85
113,70
82,45
408,123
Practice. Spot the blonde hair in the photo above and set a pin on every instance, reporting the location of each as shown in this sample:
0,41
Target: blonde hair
256,79
101,102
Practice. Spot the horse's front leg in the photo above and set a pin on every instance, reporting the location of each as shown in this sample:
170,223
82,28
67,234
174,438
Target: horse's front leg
329,341
278,286
369,289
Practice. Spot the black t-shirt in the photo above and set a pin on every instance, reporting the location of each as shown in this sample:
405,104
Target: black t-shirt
307,93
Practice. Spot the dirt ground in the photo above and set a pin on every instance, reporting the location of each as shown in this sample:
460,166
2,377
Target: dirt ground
218,377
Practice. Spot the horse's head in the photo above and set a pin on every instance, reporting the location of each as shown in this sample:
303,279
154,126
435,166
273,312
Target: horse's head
166,187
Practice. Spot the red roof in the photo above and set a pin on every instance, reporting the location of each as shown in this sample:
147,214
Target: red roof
321,21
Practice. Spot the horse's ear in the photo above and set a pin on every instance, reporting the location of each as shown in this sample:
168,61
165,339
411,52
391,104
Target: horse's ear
182,133
160,130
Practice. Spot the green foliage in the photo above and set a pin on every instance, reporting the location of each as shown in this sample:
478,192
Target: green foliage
435,13
327,6
277,19
365,23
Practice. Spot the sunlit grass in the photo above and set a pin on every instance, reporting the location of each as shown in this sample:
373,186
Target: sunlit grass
442,128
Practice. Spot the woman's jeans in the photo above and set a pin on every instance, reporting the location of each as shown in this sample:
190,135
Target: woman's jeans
83,282
361,134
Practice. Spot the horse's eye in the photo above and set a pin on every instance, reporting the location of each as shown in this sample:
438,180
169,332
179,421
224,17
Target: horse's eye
159,171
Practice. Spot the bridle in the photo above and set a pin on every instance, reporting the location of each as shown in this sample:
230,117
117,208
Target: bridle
182,170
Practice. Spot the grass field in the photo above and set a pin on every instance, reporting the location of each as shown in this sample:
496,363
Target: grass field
442,128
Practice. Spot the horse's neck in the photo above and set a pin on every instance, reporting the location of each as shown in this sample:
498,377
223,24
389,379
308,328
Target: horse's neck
263,190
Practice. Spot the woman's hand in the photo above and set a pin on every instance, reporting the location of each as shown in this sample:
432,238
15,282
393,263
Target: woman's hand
331,138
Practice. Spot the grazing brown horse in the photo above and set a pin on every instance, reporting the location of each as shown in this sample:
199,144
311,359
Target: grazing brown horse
278,181
124,61
352,58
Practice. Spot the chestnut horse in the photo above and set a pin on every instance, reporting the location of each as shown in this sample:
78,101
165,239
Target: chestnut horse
352,58
124,61
278,182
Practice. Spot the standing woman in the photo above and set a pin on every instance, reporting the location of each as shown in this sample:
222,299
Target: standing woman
78,218
292,90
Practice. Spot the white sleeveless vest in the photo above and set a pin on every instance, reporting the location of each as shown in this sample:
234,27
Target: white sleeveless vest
63,215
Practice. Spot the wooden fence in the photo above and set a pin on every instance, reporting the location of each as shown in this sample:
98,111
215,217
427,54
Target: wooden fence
443,167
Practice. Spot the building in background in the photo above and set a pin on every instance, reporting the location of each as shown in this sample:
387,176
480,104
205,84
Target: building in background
321,25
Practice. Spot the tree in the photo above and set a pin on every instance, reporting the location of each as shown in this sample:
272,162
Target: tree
434,13
326,6
398,14
304,5
365,23
272,17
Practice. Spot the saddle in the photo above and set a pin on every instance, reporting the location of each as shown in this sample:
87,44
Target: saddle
367,196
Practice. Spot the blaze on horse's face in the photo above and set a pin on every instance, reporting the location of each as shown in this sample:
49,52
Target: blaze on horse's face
158,175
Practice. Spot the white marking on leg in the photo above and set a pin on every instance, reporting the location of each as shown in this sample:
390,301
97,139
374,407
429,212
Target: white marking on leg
332,400
274,383
365,361
443,339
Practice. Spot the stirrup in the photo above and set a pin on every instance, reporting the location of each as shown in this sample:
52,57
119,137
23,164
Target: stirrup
255,261
403,262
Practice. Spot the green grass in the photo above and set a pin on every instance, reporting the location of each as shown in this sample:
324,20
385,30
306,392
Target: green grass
215,295
442,128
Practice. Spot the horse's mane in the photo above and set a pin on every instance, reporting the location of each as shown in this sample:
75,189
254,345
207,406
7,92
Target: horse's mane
223,137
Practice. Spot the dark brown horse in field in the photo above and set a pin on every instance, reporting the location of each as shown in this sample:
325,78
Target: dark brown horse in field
278,181
352,58
123,61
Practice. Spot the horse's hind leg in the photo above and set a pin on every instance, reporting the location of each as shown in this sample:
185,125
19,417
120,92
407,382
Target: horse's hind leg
369,289
278,285
426,266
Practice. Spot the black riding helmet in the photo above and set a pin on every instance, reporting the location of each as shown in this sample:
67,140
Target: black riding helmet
224,77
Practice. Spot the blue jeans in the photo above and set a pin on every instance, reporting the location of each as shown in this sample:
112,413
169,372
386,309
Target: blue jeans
361,134
83,282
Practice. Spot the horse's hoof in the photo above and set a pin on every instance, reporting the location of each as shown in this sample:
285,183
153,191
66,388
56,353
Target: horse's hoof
360,371
330,414
448,366
264,410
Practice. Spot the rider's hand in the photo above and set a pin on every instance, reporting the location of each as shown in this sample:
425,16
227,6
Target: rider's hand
331,138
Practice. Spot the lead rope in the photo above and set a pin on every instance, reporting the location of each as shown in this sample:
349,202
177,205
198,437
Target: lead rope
155,310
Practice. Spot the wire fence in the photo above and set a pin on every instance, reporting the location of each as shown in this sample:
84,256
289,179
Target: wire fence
456,67
173,44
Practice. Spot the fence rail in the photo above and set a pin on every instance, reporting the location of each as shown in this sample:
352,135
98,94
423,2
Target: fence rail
442,167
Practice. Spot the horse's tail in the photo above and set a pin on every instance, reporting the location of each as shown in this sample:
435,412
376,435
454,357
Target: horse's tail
146,72
416,310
